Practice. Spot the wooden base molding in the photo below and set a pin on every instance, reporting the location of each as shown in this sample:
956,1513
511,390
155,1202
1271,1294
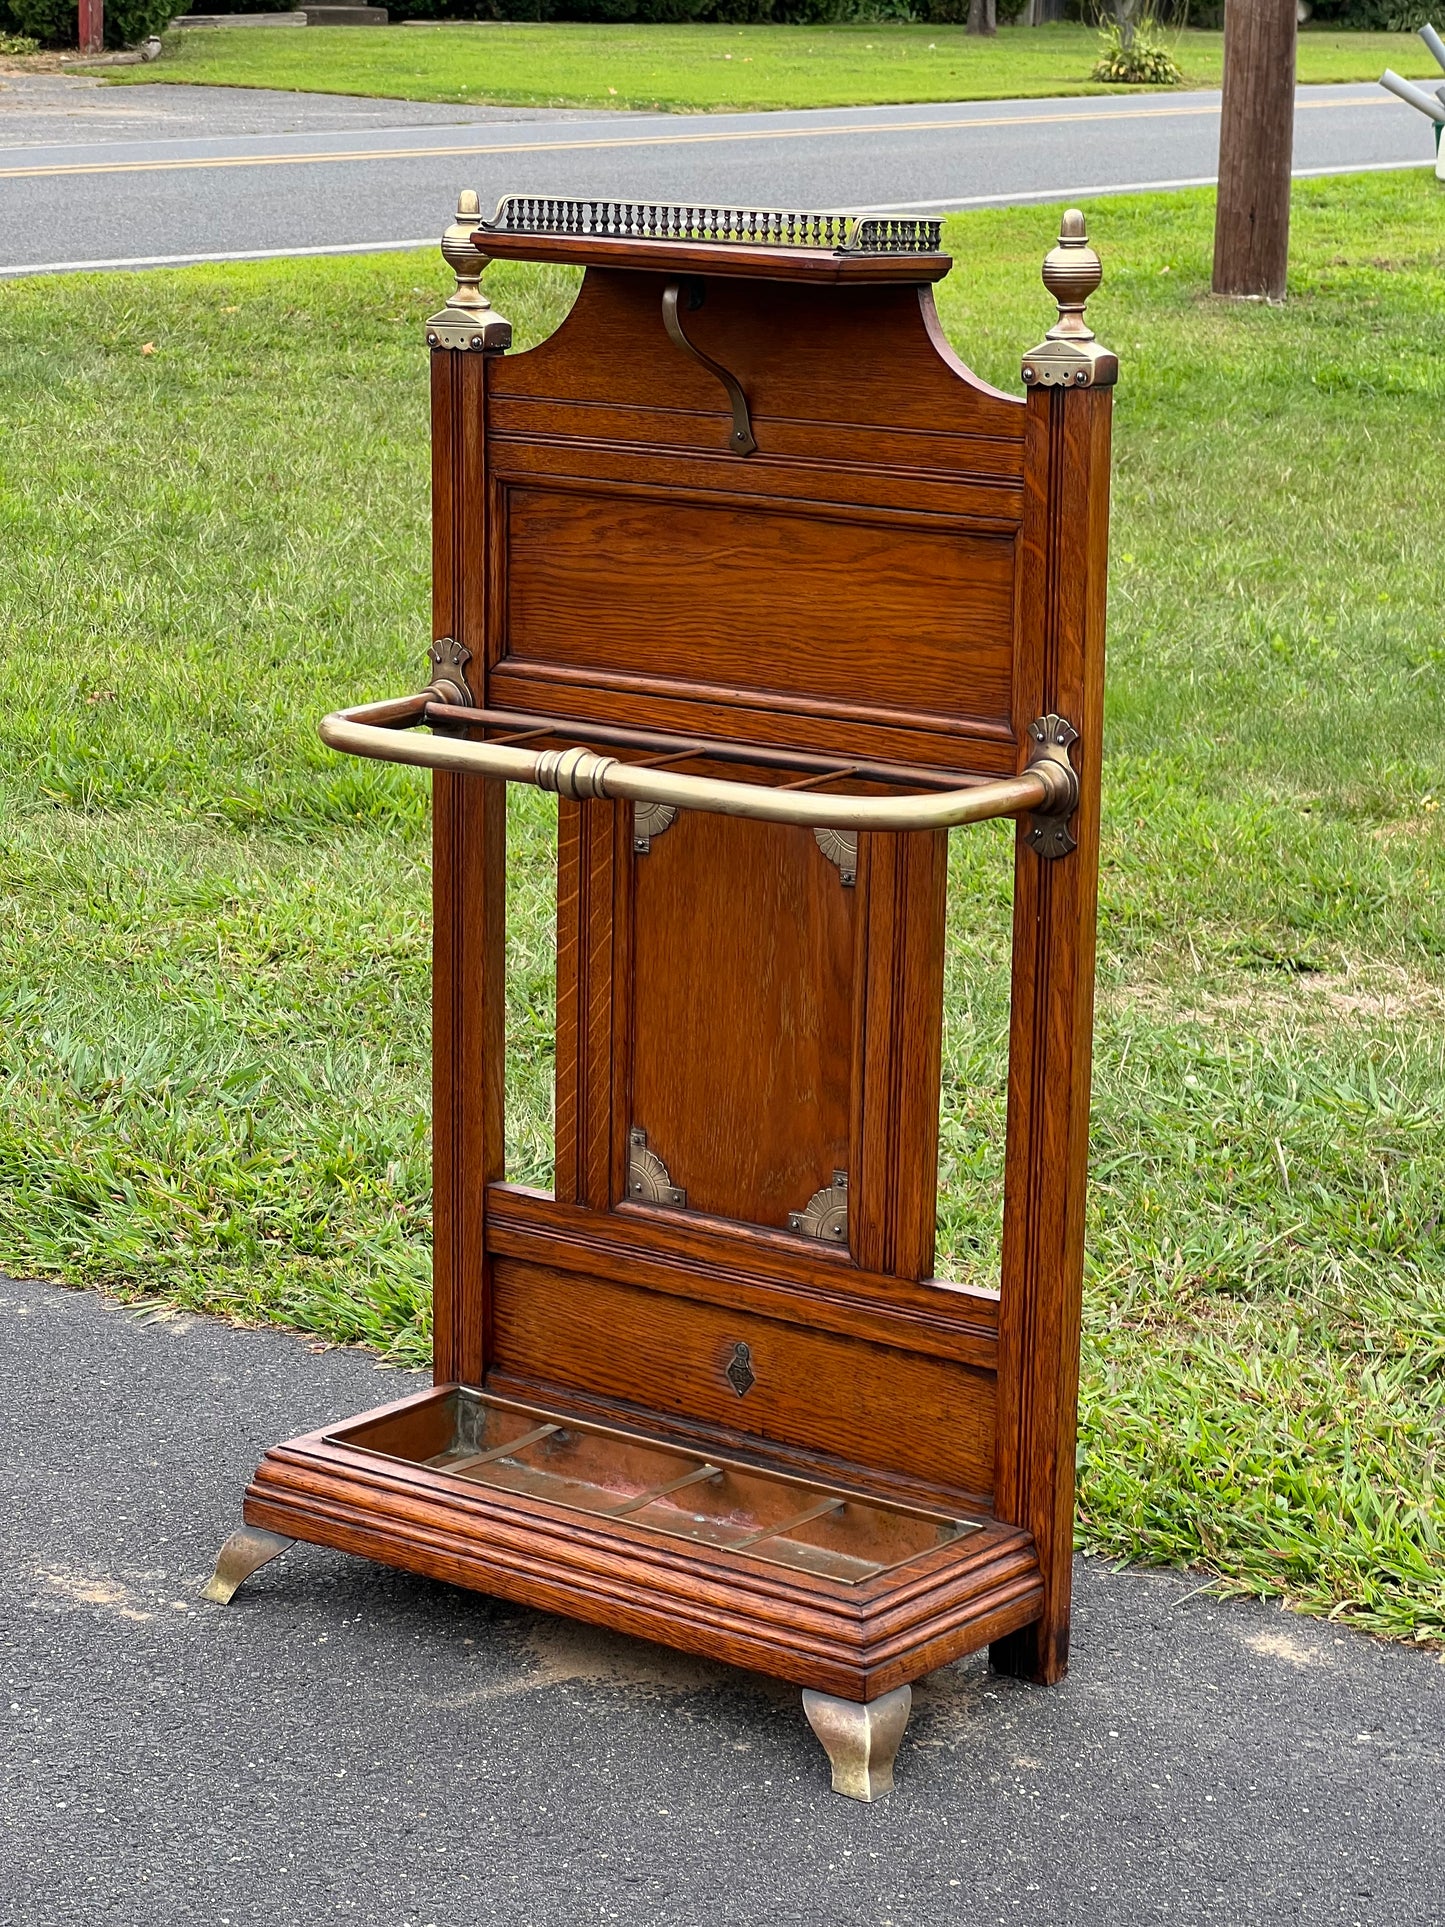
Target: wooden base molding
855,1641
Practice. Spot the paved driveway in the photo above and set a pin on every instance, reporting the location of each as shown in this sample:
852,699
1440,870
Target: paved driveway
345,1744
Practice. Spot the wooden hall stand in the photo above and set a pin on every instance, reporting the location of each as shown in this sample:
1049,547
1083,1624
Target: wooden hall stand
747,567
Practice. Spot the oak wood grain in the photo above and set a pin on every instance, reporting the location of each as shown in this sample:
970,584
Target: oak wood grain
587,839
852,1398
729,1264
881,465
742,990
772,600
1065,540
815,265
974,748
468,899
801,354
899,1052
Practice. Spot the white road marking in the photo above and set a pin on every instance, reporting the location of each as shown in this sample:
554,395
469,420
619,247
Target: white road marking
952,201
240,254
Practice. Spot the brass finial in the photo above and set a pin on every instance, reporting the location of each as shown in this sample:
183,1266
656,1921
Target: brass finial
1069,356
469,319
1072,271
465,261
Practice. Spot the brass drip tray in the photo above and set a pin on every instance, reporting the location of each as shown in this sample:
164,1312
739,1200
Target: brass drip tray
609,1474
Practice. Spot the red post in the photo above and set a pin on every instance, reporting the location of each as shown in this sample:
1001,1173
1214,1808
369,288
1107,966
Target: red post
91,26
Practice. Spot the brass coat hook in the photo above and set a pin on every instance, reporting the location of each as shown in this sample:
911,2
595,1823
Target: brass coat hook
742,436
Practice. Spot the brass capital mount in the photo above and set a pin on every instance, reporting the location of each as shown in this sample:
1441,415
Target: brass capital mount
468,321
1069,356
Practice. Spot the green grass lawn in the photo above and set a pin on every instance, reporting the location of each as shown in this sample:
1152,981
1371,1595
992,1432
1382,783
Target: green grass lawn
694,68
214,948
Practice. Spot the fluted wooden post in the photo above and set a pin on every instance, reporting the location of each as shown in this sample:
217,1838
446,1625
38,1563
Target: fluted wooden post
1070,378
468,825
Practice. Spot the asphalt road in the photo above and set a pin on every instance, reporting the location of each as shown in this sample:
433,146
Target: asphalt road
109,176
346,1744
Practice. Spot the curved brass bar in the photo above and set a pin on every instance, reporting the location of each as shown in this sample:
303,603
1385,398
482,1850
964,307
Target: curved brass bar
1048,788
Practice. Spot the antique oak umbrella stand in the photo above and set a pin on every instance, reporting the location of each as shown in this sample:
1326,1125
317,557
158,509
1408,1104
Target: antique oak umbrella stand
752,572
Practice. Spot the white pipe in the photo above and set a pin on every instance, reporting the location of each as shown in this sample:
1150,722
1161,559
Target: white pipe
1433,41
1413,96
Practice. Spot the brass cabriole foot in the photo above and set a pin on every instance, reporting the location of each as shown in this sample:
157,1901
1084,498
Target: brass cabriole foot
244,1552
861,1741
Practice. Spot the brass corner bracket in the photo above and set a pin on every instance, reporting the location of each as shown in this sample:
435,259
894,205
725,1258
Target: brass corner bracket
647,1178
650,820
1049,738
825,1215
468,321
1069,356
841,849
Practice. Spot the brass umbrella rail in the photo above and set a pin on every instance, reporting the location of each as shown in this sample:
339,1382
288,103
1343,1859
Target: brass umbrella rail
1048,788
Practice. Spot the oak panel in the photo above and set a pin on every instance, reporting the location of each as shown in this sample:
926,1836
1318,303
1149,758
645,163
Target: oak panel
761,600
743,942
801,354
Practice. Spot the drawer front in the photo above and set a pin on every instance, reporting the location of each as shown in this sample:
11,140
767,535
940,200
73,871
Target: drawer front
861,1402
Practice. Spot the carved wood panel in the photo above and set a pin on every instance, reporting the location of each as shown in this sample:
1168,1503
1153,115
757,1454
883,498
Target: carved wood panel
742,1013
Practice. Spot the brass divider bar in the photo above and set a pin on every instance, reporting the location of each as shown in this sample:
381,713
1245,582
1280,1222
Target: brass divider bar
465,1466
817,1511
640,1499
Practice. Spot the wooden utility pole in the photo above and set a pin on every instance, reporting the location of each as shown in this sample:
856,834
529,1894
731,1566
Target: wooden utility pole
90,27
1256,143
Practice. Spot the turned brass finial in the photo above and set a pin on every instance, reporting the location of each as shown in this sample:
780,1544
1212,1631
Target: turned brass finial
1072,271
1069,356
465,260
469,319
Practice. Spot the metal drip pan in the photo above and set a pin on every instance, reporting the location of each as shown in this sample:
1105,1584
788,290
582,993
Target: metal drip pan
607,1474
